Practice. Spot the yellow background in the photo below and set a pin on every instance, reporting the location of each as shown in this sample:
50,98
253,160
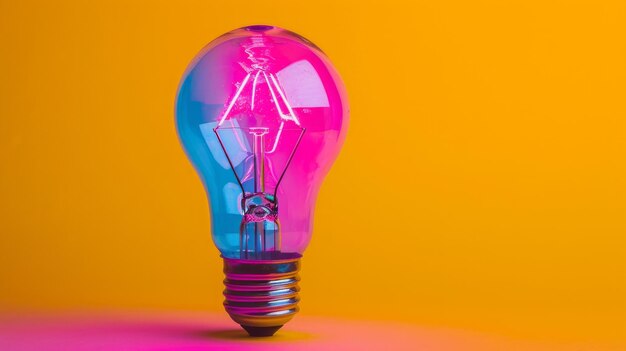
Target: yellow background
482,184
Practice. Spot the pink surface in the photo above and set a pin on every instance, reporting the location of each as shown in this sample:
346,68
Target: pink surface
207,331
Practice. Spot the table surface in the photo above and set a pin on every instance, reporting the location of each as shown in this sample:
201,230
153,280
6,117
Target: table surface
189,331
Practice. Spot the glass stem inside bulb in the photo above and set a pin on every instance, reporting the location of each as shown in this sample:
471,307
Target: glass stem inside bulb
258,152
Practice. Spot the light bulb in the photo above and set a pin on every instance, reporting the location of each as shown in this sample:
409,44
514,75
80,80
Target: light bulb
262,115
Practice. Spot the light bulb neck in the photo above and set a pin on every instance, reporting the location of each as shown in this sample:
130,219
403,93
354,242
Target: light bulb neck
262,295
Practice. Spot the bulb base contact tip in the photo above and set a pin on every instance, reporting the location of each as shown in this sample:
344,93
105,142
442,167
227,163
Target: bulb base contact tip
262,295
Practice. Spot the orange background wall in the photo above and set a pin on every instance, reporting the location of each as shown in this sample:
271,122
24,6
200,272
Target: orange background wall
482,184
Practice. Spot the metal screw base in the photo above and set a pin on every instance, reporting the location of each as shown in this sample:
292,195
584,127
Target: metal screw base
262,295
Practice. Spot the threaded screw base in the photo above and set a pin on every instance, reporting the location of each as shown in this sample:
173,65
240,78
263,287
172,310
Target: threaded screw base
262,295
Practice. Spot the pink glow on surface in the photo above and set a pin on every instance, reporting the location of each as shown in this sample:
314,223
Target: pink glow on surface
207,331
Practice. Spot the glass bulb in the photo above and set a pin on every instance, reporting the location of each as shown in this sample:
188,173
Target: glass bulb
262,115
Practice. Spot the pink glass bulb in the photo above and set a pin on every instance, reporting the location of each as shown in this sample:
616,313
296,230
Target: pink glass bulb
262,115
